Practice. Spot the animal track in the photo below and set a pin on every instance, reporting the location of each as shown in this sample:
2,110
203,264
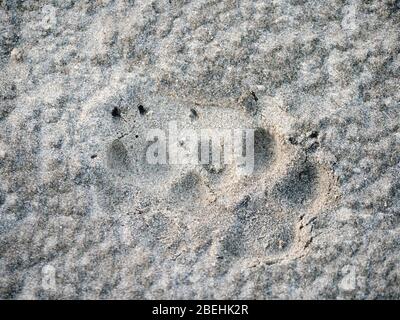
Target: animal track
298,186
187,188
259,216
263,148
117,156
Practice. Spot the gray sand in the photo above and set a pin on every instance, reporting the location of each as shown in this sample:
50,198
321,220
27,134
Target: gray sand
84,216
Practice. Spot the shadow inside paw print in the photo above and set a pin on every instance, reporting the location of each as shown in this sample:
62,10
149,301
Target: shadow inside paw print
298,186
187,188
117,156
264,148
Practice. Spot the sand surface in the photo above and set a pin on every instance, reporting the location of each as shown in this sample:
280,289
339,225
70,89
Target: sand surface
83,215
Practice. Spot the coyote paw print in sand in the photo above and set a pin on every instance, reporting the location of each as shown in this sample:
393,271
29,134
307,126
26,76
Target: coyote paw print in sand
266,215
